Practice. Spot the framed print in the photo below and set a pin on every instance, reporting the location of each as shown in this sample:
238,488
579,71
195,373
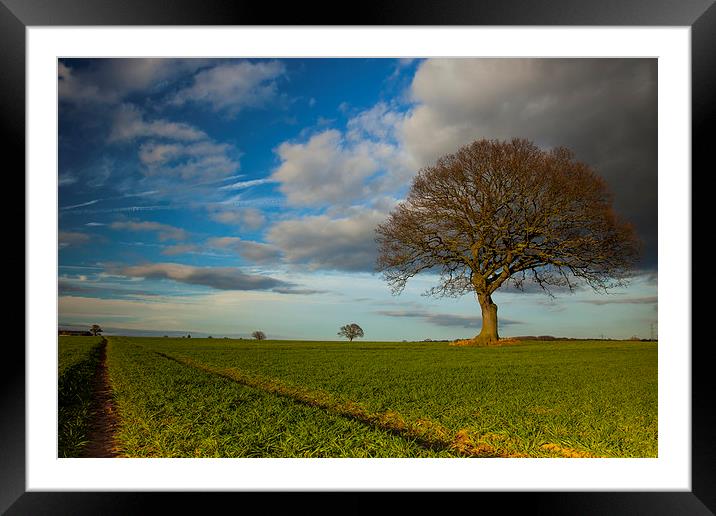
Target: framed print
209,194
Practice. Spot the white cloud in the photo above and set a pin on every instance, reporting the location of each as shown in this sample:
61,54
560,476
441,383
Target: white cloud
231,87
190,154
248,218
241,185
66,179
379,122
152,154
328,170
111,80
73,206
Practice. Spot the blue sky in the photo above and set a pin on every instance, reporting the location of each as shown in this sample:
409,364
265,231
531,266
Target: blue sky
218,197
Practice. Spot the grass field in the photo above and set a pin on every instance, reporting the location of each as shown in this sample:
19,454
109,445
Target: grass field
238,398
77,363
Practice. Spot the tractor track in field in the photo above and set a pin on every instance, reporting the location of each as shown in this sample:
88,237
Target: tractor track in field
103,422
426,433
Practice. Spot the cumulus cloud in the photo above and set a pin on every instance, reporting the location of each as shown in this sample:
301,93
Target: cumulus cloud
231,87
164,231
438,319
257,252
221,278
322,242
330,170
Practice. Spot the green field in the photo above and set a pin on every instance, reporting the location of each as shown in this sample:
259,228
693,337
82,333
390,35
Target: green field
77,362
239,398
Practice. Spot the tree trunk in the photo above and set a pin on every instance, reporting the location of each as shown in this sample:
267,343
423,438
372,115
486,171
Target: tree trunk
488,335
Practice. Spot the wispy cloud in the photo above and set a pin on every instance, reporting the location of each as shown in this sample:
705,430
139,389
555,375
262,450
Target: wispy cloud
124,209
73,206
439,319
249,218
129,124
257,252
68,238
173,250
622,301
66,179
164,231
111,80
246,184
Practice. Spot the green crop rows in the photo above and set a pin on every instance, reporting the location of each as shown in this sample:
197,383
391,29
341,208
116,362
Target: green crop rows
77,362
234,398
167,409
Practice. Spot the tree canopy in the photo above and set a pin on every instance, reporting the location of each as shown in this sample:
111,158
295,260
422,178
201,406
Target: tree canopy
498,212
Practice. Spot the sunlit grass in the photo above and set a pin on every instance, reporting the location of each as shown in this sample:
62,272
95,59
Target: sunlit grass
167,409
534,399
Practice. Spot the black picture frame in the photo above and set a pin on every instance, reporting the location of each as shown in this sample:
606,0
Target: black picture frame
16,15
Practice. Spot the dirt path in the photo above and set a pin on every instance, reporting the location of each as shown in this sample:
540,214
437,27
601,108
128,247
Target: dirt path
104,415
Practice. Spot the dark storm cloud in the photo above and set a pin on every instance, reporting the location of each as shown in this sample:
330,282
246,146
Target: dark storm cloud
604,110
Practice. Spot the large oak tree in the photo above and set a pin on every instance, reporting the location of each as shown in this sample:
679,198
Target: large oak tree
499,212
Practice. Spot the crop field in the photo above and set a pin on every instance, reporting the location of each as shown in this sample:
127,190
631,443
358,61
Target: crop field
77,362
241,398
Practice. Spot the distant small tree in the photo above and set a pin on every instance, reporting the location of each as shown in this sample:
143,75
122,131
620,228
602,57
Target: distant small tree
259,335
188,336
351,331
96,330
